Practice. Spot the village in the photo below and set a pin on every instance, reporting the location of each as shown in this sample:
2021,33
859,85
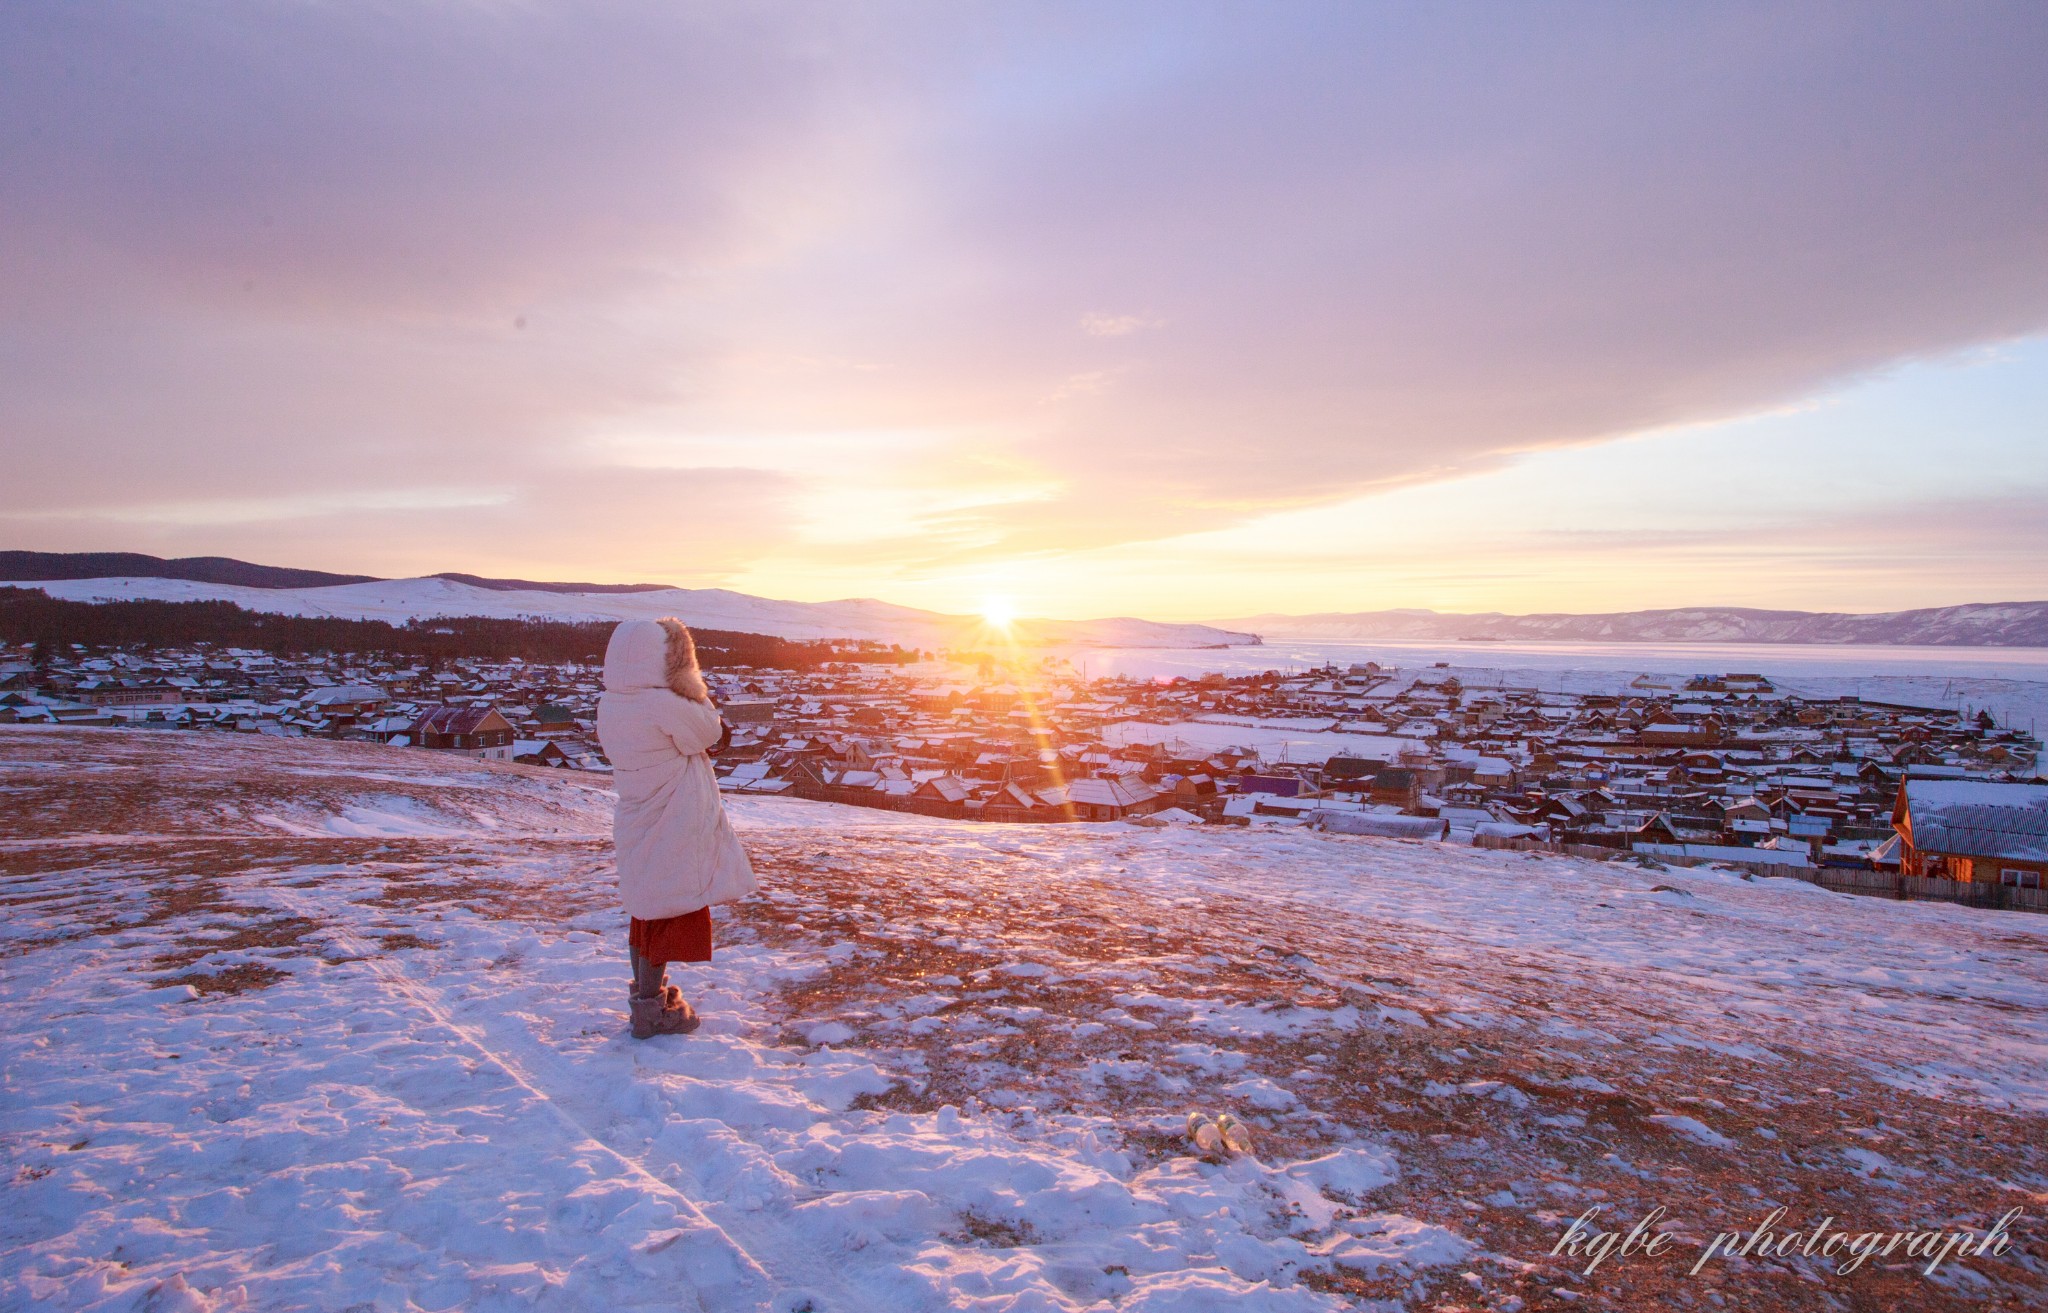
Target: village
1727,768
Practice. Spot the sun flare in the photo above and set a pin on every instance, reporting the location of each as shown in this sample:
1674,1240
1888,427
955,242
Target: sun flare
998,612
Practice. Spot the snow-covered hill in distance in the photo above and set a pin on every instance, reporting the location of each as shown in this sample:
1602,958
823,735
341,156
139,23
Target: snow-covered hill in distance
113,576
1979,624
399,600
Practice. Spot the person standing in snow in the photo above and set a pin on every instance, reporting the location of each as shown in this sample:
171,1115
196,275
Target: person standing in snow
677,852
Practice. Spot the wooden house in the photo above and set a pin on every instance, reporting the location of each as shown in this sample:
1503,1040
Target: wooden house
944,788
540,752
1397,787
1110,799
474,730
1974,832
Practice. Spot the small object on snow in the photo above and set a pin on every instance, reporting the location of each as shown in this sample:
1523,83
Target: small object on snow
1237,1137
654,1016
1220,1135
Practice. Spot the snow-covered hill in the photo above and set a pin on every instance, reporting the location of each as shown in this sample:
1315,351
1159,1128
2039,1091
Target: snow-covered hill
296,1024
273,589
1990,624
399,600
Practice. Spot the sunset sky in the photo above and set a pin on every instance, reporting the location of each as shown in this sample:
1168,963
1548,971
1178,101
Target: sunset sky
1180,310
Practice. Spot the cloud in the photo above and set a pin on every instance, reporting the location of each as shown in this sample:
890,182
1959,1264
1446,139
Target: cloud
265,254
330,160
696,527
219,512
1101,325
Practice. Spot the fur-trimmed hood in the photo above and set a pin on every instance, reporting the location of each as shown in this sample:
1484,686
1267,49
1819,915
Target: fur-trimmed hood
637,657
654,654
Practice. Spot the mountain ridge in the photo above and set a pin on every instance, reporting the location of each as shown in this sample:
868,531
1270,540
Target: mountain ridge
94,576
1970,624
39,567
428,597
43,567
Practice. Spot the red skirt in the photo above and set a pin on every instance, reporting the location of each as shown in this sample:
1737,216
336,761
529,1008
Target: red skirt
685,938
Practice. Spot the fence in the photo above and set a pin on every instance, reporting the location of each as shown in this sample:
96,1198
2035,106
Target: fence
893,802
936,807
1842,879
1756,861
1891,884
1980,893
1524,844
1857,881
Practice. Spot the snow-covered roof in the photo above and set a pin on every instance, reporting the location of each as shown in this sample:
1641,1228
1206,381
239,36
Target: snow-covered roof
1973,819
1385,827
948,787
333,693
1120,791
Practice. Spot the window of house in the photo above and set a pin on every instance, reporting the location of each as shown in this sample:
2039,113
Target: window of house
2019,878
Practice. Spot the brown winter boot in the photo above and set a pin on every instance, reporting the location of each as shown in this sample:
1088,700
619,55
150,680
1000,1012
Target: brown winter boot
654,1016
674,1005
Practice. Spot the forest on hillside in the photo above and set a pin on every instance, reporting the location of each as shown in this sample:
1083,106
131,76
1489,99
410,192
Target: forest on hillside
30,616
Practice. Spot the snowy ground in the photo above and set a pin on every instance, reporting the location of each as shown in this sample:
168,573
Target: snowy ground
297,1025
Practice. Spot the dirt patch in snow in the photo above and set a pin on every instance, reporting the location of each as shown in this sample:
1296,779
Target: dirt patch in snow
1323,1033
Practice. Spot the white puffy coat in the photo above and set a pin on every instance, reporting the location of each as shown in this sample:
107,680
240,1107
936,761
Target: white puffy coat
677,851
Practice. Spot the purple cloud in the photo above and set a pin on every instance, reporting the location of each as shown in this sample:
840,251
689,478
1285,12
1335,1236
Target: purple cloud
1164,266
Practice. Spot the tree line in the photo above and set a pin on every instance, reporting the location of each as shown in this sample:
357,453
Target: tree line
31,616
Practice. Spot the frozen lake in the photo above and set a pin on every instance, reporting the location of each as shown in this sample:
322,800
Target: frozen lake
1841,661
2010,682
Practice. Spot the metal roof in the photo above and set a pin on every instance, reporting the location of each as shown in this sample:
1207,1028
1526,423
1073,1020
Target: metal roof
1971,819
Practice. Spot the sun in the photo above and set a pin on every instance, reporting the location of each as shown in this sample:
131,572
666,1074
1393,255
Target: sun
998,612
